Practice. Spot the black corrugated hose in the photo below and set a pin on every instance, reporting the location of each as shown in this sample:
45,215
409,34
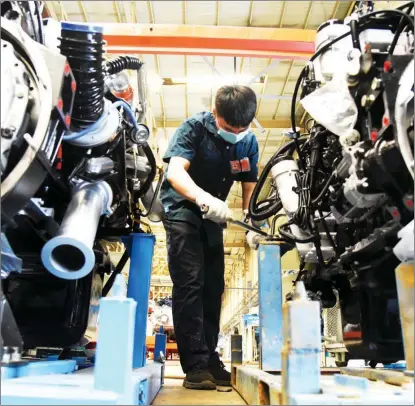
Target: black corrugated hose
121,63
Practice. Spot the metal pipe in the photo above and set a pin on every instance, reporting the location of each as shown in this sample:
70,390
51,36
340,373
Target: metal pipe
70,255
142,96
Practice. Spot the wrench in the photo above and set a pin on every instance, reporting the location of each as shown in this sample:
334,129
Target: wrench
204,209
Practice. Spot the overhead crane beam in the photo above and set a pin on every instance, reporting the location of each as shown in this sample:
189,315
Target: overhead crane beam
279,43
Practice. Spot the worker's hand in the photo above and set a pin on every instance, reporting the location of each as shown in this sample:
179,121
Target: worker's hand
252,239
216,210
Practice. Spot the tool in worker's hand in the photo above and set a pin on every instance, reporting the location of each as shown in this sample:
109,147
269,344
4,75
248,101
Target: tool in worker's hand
238,223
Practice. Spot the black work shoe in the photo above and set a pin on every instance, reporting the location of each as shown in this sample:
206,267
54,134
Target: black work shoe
220,375
199,378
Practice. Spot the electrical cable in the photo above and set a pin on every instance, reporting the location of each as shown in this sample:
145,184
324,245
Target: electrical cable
410,4
324,190
151,176
118,269
396,12
326,229
355,34
306,124
156,192
274,222
40,23
398,33
326,47
263,213
292,237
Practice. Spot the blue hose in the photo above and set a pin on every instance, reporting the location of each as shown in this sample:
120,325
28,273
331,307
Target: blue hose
127,107
119,103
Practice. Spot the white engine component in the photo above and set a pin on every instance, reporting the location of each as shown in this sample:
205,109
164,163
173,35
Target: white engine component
105,129
284,174
337,56
404,249
404,113
14,99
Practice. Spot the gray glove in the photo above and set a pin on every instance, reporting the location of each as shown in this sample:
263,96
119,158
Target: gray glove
252,238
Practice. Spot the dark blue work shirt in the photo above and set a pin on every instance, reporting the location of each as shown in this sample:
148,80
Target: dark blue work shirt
210,164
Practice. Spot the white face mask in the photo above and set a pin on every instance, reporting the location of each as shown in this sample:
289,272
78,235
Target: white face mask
231,137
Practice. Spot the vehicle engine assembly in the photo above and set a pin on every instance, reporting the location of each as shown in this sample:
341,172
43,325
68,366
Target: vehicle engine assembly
346,182
76,171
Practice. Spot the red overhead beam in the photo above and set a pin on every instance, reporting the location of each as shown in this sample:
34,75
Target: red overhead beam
281,43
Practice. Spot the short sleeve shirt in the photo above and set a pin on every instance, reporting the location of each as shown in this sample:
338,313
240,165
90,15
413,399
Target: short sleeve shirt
214,163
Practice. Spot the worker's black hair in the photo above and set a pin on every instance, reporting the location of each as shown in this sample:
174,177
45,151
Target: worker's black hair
236,105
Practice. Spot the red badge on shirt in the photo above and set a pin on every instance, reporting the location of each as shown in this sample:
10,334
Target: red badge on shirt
240,166
235,166
245,165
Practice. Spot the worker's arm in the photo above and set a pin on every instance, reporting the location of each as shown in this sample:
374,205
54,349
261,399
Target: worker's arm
247,189
250,177
180,180
179,155
182,183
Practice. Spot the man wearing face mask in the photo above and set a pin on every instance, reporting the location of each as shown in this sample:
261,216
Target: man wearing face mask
206,155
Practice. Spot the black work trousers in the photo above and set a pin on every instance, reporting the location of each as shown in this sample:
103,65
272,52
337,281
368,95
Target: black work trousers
196,267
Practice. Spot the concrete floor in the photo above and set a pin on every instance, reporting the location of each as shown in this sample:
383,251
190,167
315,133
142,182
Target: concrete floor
173,393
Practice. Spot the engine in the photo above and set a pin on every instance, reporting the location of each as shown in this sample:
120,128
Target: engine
76,171
346,183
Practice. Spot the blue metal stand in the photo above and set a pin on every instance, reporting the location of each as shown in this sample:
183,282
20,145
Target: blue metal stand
160,346
140,247
270,306
112,381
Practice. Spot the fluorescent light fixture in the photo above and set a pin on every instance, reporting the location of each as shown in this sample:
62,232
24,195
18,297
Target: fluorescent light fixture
213,80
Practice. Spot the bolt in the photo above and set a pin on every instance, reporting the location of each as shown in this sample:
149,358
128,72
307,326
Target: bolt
375,84
15,355
8,132
364,100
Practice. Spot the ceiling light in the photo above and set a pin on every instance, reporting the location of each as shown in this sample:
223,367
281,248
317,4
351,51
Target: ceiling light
213,80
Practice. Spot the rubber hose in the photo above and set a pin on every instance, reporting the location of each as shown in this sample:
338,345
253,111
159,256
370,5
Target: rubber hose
84,49
152,161
121,63
118,269
355,34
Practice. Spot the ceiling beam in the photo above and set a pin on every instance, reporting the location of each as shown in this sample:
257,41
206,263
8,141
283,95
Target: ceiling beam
287,78
83,11
284,5
279,43
277,123
64,14
50,11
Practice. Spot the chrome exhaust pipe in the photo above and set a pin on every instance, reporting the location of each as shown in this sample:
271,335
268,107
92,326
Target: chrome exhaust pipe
70,255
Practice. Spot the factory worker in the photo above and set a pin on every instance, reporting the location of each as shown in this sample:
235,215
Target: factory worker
206,155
